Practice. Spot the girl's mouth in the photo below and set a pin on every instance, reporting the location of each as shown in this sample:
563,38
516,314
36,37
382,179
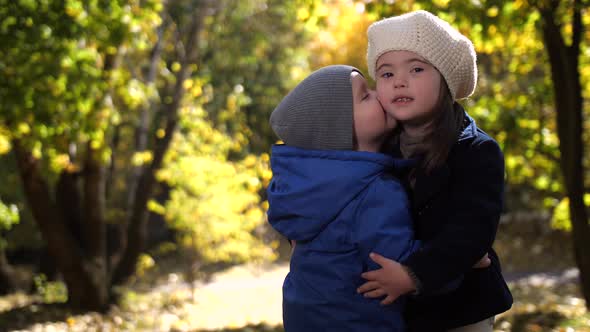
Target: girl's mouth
402,100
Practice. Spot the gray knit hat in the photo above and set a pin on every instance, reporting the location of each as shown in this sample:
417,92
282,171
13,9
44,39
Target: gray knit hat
318,113
432,38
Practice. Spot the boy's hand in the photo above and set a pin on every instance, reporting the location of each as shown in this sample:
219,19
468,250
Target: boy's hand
391,280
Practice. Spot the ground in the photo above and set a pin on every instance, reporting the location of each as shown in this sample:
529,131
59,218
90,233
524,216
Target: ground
247,298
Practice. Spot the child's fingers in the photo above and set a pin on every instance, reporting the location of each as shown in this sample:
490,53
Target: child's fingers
388,300
367,287
379,259
379,292
371,275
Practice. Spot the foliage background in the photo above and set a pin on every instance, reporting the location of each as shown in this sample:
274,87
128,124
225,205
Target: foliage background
60,99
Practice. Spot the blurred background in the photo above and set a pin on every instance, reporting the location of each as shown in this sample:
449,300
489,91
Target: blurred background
134,154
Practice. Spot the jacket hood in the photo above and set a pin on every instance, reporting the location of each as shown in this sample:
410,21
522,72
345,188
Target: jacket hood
309,188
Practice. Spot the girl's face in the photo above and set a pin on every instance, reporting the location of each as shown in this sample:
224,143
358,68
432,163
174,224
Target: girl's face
371,123
408,87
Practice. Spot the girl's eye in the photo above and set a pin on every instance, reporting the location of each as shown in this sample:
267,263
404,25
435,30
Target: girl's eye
387,75
365,96
418,69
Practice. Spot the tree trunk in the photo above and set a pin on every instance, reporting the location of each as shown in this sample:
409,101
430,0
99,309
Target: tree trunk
569,106
61,244
94,234
8,283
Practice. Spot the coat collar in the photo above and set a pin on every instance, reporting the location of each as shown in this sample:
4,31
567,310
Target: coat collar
469,128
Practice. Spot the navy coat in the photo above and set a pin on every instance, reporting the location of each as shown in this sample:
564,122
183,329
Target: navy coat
456,211
339,206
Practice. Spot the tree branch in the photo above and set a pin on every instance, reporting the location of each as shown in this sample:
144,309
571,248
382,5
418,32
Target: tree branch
139,213
94,204
146,116
577,28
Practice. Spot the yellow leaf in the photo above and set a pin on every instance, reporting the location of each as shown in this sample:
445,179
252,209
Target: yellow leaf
492,29
24,128
441,3
4,145
187,84
197,91
492,11
302,14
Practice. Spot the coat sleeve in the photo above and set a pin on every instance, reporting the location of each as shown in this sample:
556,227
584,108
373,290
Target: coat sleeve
471,218
383,223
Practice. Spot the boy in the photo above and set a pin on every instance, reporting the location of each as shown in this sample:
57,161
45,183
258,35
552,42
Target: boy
336,197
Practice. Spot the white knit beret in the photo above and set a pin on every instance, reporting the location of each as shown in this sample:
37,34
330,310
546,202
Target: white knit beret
433,39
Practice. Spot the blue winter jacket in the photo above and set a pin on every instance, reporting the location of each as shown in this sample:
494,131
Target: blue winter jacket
339,206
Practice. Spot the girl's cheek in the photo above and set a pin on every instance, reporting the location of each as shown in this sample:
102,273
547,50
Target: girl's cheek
379,97
379,90
378,93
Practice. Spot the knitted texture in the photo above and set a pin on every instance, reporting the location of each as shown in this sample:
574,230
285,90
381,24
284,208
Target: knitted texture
318,113
432,38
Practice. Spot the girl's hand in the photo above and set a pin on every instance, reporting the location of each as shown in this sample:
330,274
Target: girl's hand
391,280
483,262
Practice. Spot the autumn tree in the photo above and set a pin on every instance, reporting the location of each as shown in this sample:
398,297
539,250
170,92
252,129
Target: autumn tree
108,102
65,86
564,51
256,52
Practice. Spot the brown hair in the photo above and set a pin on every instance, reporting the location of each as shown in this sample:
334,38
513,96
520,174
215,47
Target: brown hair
446,127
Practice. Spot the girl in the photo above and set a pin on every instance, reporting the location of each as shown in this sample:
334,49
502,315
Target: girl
422,66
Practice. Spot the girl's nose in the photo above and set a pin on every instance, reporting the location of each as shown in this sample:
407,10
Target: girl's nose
400,83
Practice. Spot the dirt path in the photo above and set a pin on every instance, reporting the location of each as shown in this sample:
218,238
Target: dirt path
240,296
250,295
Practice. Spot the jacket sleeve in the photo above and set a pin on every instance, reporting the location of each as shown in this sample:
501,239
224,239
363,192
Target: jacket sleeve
383,223
470,219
